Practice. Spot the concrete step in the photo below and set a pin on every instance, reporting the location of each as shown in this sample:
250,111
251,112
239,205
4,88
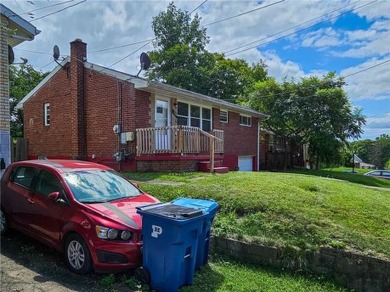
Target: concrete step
205,165
221,169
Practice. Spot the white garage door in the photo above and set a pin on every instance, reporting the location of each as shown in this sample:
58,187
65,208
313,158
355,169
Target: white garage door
245,163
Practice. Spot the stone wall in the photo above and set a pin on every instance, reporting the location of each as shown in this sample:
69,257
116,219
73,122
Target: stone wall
362,273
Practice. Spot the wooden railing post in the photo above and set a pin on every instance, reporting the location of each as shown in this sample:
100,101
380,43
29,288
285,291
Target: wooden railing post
212,152
181,140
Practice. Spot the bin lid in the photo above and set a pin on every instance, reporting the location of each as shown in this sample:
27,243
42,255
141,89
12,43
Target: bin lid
204,205
171,211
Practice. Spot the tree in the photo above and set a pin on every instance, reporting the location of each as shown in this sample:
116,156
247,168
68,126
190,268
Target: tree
362,148
376,151
179,48
180,59
314,111
379,152
22,80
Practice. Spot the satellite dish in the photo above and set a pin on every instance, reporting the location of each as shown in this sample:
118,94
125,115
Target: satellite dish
145,62
11,56
56,52
56,55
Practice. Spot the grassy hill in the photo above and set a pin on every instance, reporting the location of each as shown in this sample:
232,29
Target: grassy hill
295,210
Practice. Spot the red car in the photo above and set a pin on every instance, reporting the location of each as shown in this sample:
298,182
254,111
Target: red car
84,209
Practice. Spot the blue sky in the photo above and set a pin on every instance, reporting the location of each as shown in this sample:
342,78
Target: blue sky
295,38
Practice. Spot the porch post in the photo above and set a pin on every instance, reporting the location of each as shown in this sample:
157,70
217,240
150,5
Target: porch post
212,151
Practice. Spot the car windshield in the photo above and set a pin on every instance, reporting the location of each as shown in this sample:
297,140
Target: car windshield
94,186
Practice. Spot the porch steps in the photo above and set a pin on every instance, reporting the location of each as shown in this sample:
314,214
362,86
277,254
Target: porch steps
218,166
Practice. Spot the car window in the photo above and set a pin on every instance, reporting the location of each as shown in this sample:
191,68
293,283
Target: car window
99,186
386,173
24,176
375,173
47,183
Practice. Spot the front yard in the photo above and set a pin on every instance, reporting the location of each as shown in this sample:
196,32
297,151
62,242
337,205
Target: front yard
297,211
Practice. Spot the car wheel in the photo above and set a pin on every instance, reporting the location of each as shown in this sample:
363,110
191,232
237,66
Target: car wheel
77,255
3,222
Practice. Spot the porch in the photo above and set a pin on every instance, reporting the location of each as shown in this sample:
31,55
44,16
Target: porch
184,140
180,143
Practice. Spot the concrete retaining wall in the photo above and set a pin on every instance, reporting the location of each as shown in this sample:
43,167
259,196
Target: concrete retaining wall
362,273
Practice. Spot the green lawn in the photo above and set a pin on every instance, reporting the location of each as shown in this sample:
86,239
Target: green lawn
299,211
344,173
222,274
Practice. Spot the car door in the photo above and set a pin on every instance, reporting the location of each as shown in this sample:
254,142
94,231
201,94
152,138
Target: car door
16,197
45,214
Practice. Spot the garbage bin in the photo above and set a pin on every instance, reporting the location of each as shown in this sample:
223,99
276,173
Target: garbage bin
170,241
209,208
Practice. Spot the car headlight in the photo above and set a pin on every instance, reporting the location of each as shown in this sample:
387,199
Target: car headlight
111,233
125,235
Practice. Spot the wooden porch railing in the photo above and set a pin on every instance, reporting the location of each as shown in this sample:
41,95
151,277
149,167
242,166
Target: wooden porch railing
178,139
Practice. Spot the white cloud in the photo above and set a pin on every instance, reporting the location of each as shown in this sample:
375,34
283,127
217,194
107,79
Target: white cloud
379,122
376,126
322,38
370,83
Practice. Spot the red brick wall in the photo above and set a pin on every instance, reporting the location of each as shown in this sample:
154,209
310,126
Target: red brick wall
102,96
239,140
55,139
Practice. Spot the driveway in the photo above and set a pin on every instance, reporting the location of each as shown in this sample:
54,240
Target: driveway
27,265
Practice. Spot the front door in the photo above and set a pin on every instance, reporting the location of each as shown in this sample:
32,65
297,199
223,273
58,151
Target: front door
161,123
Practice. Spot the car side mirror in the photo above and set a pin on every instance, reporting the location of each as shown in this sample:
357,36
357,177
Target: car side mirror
56,197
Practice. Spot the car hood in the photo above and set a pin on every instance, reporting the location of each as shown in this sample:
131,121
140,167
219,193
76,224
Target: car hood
124,210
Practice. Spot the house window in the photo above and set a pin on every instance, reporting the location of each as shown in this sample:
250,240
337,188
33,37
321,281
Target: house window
223,116
46,113
245,121
194,116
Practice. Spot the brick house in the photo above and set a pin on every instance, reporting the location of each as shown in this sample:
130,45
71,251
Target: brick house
14,30
86,111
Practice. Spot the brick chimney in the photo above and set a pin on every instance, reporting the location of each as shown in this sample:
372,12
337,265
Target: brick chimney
78,55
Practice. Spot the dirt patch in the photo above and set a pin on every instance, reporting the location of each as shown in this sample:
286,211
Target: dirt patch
27,265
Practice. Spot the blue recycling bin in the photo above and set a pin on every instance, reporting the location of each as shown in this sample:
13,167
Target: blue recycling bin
209,208
170,241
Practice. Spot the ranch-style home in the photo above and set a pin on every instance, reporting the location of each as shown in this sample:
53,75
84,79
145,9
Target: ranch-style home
86,111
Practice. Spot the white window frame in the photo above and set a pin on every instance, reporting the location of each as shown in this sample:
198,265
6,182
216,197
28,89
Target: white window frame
46,113
222,117
248,119
201,118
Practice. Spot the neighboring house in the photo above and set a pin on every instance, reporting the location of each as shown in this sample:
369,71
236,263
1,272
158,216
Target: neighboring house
85,111
360,164
277,153
13,31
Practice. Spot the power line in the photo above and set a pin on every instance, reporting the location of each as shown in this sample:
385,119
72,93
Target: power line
247,12
299,30
292,27
40,53
40,8
120,60
55,12
46,65
198,7
368,68
122,46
